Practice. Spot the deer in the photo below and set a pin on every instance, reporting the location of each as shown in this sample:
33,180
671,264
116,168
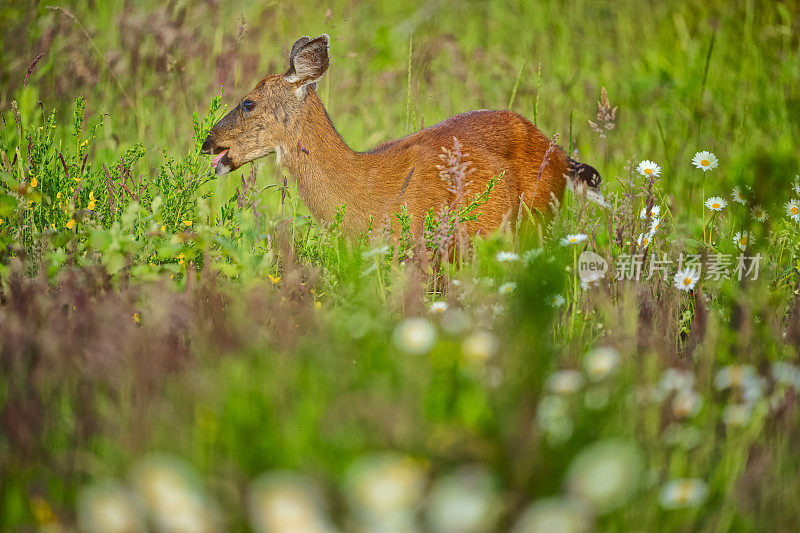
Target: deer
284,115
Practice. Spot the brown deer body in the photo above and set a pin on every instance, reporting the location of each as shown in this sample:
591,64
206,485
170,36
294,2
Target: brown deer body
283,114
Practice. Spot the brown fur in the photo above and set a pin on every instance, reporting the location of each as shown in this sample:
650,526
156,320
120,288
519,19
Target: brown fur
289,118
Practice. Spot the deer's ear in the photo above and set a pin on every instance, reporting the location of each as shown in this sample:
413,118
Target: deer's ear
298,44
308,61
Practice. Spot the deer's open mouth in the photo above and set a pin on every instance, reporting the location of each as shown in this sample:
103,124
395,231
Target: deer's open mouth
221,163
217,158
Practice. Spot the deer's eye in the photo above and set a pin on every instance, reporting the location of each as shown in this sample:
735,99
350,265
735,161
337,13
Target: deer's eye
248,105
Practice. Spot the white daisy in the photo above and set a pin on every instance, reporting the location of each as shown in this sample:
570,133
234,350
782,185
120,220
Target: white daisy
705,161
648,168
758,213
654,211
438,307
574,238
686,403
793,210
742,239
654,225
644,240
564,382
507,288
738,197
601,362
415,336
715,203
556,300
735,376
681,493
686,279
506,257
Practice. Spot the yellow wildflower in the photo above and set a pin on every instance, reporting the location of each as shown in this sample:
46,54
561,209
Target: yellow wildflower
85,142
163,228
34,182
71,223
42,511
187,223
274,279
58,194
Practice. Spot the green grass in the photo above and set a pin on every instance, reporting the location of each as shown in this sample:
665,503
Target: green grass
158,321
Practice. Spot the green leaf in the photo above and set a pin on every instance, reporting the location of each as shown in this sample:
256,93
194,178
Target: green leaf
8,204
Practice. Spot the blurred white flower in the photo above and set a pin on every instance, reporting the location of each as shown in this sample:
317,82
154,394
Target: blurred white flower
107,507
507,287
648,168
715,203
605,474
734,376
479,346
758,213
643,241
600,363
793,210
465,501
555,515
556,300
686,279
438,307
686,403
564,382
796,184
532,254
738,197
705,161
786,374
681,493
552,415
455,321
283,502
414,336
385,489
506,257
379,251
654,212
675,379
736,414
171,491
574,238
742,239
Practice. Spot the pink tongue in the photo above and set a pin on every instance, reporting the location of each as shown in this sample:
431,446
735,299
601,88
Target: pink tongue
217,157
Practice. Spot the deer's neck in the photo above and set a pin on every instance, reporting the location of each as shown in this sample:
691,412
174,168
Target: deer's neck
327,172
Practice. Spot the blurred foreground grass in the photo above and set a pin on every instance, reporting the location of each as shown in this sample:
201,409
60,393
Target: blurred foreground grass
191,354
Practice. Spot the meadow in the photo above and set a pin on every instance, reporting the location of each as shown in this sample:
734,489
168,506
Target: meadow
184,352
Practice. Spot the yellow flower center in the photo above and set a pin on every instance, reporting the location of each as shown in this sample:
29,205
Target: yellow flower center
648,171
743,241
705,162
687,281
715,205
794,209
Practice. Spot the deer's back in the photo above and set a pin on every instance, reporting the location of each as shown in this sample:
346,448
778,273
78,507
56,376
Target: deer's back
494,144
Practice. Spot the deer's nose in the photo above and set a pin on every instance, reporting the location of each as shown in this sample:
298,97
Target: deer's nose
208,145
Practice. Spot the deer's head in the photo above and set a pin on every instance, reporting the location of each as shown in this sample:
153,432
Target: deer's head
268,114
